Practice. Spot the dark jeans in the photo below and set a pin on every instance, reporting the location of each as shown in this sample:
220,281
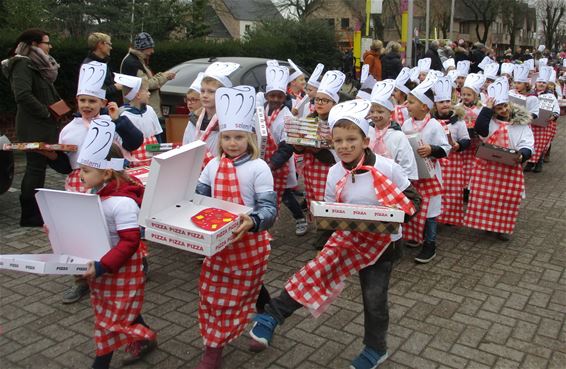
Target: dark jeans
292,204
34,177
430,230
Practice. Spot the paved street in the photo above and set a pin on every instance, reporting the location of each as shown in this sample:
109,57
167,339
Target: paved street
480,304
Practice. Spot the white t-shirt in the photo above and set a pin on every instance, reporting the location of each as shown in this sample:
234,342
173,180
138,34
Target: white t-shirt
458,131
121,213
190,135
147,122
254,176
362,191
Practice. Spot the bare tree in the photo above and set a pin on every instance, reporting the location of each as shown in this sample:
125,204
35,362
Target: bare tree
299,9
485,12
551,12
514,13
440,10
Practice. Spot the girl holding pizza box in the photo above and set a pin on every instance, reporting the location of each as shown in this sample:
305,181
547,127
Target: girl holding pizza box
230,281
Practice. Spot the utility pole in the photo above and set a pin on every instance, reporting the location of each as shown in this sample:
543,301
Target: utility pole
132,25
410,35
452,18
427,23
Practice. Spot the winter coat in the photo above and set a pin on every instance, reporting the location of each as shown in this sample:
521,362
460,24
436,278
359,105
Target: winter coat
372,58
134,64
476,58
108,85
435,62
33,95
461,54
391,65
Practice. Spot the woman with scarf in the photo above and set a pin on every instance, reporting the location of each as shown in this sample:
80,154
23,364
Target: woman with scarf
32,72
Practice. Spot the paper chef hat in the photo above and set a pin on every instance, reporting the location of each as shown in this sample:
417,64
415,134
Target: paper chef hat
463,68
220,72
415,74
355,111
490,71
420,92
331,84
297,71
97,144
485,62
235,108
475,82
507,68
195,86
542,62
442,89
424,64
530,63
272,62
313,79
366,79
449,63
402,79
499,90
552,78
544,74
453,74
381,93
521,73
277,78
91,79
541,48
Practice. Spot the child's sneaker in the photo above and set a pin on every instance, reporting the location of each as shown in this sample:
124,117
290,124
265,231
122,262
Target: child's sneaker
301,227
368,359
211,359
262,332
137,350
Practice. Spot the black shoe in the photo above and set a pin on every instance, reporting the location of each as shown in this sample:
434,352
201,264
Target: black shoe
529,167
427,253
504,237
538,167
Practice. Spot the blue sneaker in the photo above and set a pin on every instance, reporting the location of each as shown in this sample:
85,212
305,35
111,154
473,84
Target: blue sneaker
368,359
262,332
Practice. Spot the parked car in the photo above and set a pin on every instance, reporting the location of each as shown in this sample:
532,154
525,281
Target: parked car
6,166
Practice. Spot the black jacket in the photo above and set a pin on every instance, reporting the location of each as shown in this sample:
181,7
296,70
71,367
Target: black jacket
390,65
112,94
435,63
476,58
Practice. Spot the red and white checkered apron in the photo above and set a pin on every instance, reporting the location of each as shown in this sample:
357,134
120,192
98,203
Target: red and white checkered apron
73,182
469,155
315,173
141,155
279,175
230,281
318,283
543,138
495,191
117,300
427,188
398,114
208,156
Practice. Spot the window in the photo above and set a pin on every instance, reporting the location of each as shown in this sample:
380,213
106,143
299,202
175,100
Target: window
330,22
464,28
345,23
255,77
248,27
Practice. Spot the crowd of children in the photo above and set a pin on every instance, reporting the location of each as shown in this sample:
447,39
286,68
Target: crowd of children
408,143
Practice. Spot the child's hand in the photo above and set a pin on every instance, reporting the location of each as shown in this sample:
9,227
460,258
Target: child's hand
490,102
49,154
424,151
294,111
90,271
170,75
113,110
247,224
455,146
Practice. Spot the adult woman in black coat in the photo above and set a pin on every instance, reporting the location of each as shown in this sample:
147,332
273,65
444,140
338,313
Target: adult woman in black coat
391,61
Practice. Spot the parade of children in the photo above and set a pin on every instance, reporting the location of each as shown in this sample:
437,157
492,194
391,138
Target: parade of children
377,182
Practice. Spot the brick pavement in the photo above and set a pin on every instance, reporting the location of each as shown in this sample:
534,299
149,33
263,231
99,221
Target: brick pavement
480,304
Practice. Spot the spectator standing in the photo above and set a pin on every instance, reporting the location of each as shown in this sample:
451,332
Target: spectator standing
432,53
136,64
461,53
32,72
100,46
391,61
476,57
372,57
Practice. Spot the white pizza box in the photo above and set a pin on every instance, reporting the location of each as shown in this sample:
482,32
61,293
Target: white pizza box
518,99
141,173
78,233
425,166
183,243
170,200
546,104
300,104
340,210
261,130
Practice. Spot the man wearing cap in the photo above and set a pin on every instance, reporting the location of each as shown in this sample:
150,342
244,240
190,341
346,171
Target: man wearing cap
100,46
136,64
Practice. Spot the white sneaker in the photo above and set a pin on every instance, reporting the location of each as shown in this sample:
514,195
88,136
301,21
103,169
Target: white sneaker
301,227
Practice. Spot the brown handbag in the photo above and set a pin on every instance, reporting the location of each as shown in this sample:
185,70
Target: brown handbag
59,109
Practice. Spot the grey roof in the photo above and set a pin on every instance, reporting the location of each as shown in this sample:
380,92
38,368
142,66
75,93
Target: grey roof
253,10
215,25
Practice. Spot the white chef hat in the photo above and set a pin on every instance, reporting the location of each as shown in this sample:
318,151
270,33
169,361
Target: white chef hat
272,62
474,81
507,68
331,84
541,48
453,74
355,111
381,93
521,73
415,74
97,144
91,79
442,89
296,73
235,108
420,92
424,64
463,68
195,86
449,63
485,62
277,78
402,78
490,71
544,74
542,62
133,82
499,90
313,79
220,72
530,63
552,78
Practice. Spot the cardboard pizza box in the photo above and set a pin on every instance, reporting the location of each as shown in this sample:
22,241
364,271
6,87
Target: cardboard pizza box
546,104
518,99
425,166
261,130
170,202
78,233
497,154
